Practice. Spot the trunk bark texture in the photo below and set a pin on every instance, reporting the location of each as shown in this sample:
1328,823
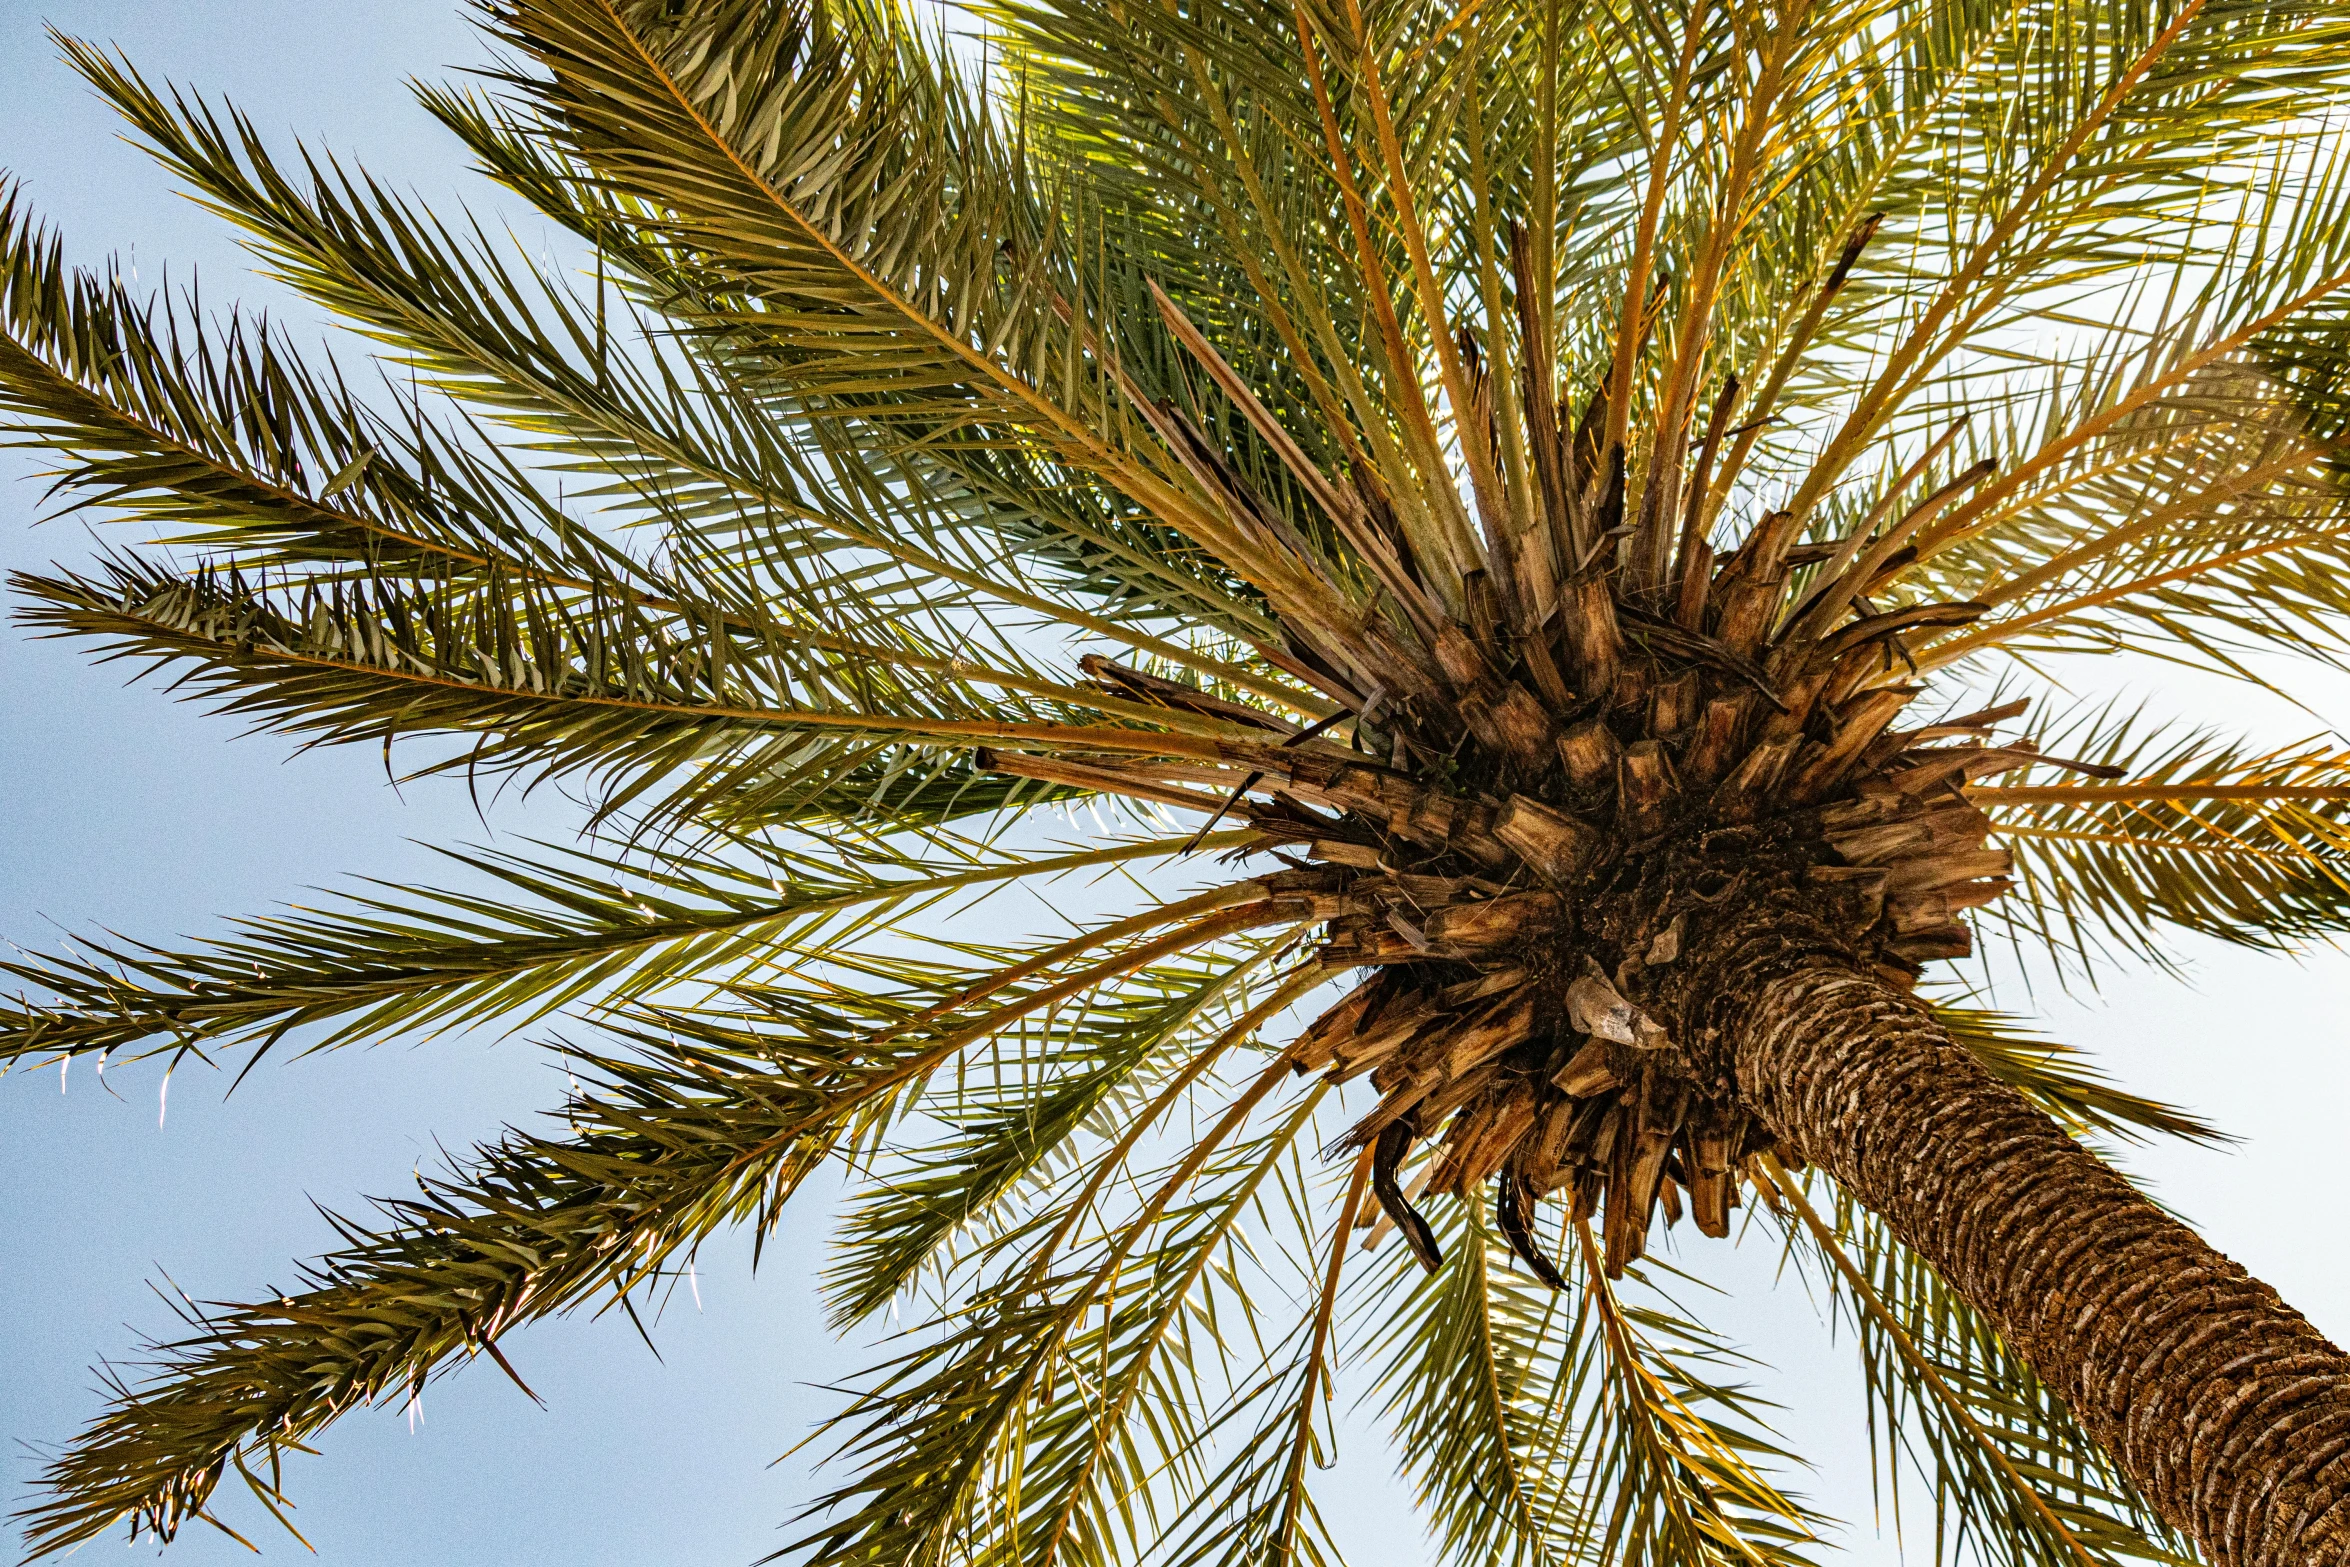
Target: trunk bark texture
2223,1404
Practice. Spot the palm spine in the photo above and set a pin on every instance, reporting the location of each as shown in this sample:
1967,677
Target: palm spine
1518,467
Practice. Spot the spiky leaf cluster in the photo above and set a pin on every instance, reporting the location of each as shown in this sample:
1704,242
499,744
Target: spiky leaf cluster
1461,499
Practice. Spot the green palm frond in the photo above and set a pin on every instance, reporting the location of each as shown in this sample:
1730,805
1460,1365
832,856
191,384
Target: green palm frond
530,1228
1260,1506
1682,1448
2199,523
267,460
711,1117
918,283
1012,1435
1025,1125
1595,1426
533,936
595,386
411,543
224,436
1375,445
975,515
2192,832
659,720
1482,1365
2054,1077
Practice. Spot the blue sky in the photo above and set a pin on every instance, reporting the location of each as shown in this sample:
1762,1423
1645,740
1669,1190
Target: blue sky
121,809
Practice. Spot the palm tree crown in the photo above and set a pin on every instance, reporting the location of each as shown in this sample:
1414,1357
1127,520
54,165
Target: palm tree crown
1540,529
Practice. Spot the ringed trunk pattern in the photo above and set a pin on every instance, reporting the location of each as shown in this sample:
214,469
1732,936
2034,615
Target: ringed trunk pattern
1567,675
1642,872
2225,1406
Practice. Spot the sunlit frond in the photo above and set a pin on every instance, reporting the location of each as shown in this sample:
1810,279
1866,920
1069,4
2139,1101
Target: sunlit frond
2054,1077
530,937
1595,1424
2187,831
1013,1434
1054,544
681,1139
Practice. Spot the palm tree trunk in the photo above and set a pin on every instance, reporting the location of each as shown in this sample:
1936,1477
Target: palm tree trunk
2223,1404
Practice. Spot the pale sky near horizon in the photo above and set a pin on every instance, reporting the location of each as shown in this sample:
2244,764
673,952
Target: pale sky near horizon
127,811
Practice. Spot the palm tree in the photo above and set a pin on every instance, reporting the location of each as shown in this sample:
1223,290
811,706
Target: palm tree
1543,536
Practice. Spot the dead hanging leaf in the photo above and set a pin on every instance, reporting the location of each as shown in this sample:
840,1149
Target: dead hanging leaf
1595,1007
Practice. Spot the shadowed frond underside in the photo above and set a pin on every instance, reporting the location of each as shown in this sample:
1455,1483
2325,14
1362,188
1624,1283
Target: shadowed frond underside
1192,637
